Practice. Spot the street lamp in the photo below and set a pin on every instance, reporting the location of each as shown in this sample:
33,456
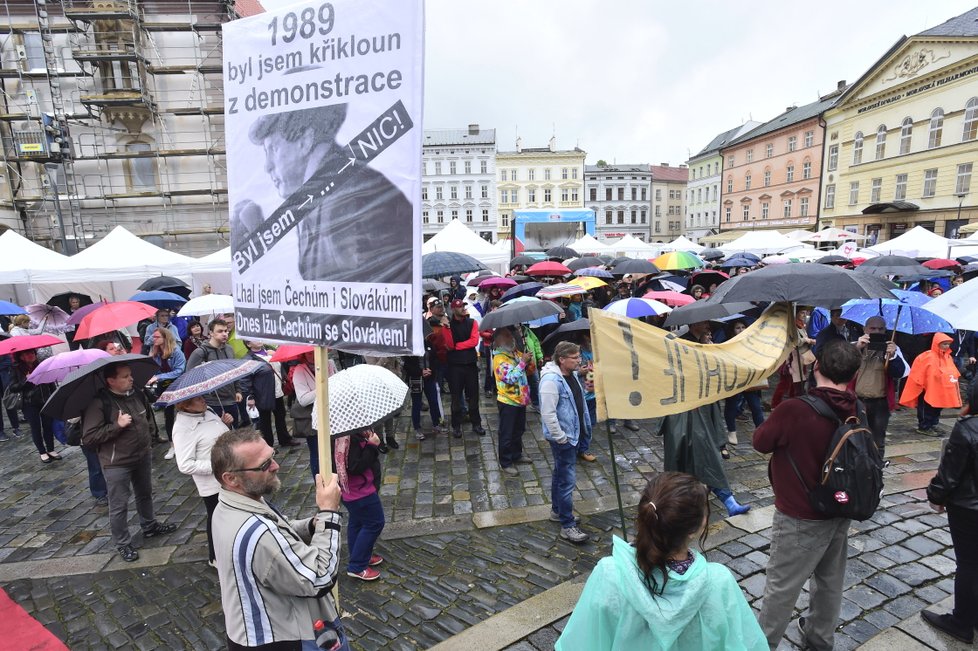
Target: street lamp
51,170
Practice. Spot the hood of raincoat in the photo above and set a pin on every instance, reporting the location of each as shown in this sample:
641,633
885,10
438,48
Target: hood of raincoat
935,345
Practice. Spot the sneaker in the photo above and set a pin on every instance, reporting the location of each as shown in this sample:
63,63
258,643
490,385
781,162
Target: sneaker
457,433
630,425
480,430
555,517
128,554
947,624
16,433
169,454
511,471
574,535
587,456
419,435
160,529
3,437
102,501
375,560
368,574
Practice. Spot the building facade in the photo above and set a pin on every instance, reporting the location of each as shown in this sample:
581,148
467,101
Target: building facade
668,201
113,114
771,173
541,177
902,143
459,180
703,191
620,196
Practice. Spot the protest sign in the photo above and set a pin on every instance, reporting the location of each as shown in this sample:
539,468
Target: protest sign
641,371
323,106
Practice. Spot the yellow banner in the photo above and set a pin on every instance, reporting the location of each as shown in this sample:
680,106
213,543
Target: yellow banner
641,371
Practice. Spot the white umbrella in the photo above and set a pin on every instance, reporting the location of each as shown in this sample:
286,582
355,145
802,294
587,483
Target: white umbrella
208,304
958,306
361,396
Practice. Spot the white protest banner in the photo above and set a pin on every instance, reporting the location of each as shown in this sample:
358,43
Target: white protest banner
323,105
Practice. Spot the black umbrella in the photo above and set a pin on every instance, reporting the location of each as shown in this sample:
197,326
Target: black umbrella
808,284
707,310
930,275
892,265
522,260
61,300
635,267
562,252
432,285
80,387
584,263
479,277
520,278
737,261
166,284
614,262
706,278
519,312
448,263
711,254
605,259
526,289
833,259
566,332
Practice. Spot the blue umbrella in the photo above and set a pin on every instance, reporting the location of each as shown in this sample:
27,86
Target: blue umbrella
207,378
447,263
526,289
159,299
9,308
595,272
898,315
737,261
637,307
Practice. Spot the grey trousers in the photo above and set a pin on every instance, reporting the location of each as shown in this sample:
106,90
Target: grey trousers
118,480
801,549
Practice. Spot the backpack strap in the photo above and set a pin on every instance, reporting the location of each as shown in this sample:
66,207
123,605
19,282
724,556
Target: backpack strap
820,407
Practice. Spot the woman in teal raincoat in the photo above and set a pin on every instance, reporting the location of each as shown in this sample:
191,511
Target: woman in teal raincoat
659,594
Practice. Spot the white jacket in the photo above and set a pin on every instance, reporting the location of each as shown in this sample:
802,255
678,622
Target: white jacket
193,438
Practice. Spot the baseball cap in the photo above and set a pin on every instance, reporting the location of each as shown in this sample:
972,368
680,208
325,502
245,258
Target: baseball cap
434,299
458,303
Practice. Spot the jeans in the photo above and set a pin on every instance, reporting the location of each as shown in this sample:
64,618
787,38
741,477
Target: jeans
927,417
464,378
265,417
878,416
733,405
42,428
96,480
11,413
313,443
801,549
366,523
533,379
563,481
489,384
210,503
584,442
119,479
963,524
512,425
430,391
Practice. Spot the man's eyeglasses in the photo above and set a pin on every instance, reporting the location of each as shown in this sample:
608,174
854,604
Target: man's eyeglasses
262,468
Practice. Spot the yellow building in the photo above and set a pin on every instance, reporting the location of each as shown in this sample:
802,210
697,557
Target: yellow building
902,142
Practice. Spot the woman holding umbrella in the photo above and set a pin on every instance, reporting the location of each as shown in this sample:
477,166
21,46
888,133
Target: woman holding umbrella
195,429
165,351
20,326
34,397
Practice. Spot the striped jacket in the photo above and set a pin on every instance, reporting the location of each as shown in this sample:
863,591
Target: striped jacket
276,574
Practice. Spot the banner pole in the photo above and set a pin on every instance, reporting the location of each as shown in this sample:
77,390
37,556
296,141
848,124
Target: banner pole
614,471
322,414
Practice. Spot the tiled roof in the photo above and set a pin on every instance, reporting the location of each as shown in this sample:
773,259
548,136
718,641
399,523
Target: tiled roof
623,168
459,137
721,140
670,173
789,117
246,8
964,25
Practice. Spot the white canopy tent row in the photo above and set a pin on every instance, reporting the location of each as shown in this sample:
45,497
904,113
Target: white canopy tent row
631,247
681,243
458,238
917,242
763,243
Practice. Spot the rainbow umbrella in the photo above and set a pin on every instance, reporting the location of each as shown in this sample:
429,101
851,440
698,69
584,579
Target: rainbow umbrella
675,260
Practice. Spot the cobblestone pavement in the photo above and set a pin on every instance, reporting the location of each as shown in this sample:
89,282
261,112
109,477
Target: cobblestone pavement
446,569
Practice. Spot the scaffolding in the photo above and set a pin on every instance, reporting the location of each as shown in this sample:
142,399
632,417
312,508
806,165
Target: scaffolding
111,112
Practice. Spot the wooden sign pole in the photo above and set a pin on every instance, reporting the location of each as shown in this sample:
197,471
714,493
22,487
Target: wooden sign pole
322,413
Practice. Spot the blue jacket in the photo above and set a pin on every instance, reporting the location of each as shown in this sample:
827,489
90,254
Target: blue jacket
565,410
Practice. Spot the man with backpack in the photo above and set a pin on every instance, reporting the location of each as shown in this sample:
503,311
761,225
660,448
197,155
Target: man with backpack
809,538
224,399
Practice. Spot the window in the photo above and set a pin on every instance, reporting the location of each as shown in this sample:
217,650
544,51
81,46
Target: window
593,193
658,227
515,195
881,142
658,211
769,150
609,194
730,160
809,138
468,167
875,190
746,209
747,181
803,206
531,174
424,217
424,193
833,158
644,194
547,195
853,193
468,215
485,214
830,196
483,167
806,169
699,196
504,196
790,174
726,213
502,173
454,215
441,216
438,169
621,194
750,155
906,131
767,178
468,192
900,192
504,220
857,148
452,168
573,172
787,208
644,216
485,192
574,194
936,128
607,216
564,195
563,173
453,192
930,183
658,194
970,120
634,216
792,143
439,193
729,184
546,173
963,183
621,216
765,209
531,195
634,194
34,49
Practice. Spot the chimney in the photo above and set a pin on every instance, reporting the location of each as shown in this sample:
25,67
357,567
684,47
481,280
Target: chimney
790,108
519,144
663,164
841,85
553,143
473,129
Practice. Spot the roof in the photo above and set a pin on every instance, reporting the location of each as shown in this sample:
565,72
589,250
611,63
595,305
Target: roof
248,7
434,137
791,116
964,25
669,173
626,168
722,139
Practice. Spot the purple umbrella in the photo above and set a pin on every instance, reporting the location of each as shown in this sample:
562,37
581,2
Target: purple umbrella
47,316
55,369
79,314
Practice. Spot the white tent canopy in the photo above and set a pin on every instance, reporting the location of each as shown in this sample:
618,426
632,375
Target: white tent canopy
798,234
917,242
762,243
631,246
588,244
458,238
19,256
681,243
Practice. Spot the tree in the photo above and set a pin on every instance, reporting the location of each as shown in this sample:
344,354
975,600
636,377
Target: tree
602,163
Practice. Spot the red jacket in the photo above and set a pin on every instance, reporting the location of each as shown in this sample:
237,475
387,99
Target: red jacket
461,351
795,427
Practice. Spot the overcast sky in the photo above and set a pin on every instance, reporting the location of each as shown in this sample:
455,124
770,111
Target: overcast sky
647,82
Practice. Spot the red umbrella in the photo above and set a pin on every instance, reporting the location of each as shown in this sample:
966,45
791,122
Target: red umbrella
113,316
27,342
941,263
290,352
548,268
497,281
671,299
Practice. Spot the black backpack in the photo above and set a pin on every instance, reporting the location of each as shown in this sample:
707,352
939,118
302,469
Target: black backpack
851,483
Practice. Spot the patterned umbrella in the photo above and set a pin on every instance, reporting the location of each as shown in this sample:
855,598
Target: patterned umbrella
361,396
594,272
899,316
57,368
678,260
47,316
208,377
559,290
447,263
637,307
9,308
